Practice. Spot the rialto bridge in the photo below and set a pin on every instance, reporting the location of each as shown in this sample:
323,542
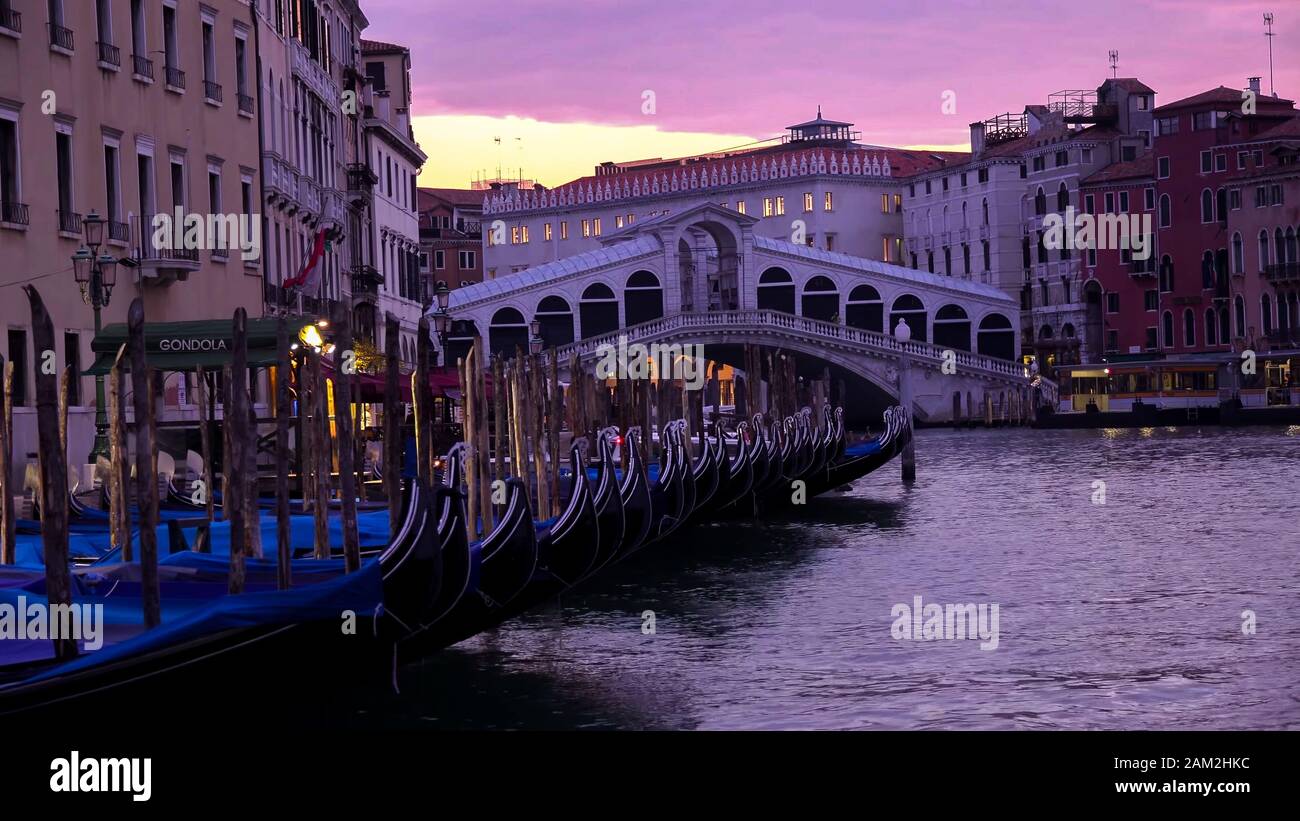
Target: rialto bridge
703,277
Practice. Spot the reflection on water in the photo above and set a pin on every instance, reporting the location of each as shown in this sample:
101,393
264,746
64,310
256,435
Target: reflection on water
1126,614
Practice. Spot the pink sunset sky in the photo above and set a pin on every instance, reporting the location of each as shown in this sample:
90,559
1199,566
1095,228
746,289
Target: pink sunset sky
561,83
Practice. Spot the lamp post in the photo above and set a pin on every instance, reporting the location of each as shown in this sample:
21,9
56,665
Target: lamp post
441,318
96,274
903,334
535,340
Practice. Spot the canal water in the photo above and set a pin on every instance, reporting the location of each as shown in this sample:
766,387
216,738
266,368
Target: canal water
1116,610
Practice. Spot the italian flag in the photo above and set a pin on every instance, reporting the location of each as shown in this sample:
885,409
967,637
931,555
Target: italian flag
308,278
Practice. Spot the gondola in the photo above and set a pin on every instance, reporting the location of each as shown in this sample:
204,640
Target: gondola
608,503
668,493
638,505
294,631
740,471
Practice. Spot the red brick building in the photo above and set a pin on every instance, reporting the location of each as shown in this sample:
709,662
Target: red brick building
1202,143
451,240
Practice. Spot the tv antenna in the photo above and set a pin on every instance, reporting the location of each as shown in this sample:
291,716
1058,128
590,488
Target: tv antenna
1268,32
1114,63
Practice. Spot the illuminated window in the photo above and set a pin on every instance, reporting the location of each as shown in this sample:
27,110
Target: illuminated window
586,228
807,203
618,221
523,234
546,231
564,229
780,206
595,229
826,205
631,218
884,203
514,235
767,206
898,204
740,206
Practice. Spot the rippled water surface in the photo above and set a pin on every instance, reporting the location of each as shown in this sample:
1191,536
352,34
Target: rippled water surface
1122,615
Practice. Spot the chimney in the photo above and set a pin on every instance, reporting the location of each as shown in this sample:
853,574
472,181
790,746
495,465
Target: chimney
1253,82
976,140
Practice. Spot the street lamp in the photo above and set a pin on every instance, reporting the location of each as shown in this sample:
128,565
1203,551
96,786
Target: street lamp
535,341
903,334
443,294
441,320
96,275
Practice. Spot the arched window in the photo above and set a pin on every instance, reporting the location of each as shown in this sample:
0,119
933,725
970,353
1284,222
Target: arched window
1221,202
1207,269
1166,273
865,310
1263,248
986,210
598,310
1040,202
945,219
1189,328
996,337
776,291
1169,329
1045,332
556,321
1290,246
643,298
1166,211
1238,254
1279,247
951,328
963,215
1067,331
1210,323
821,299
1207,206
1239,308
909,307
507,330
1266,314
1062,198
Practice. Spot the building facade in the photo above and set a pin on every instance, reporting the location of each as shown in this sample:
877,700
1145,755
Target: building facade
392,284
451,240
816,186
128,110
984,217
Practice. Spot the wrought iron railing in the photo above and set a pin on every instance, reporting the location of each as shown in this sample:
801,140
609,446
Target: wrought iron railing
69,222
212,91
1282,271
245,103
110,54
175,77
119,231
142,66
15,213
60,36
12,20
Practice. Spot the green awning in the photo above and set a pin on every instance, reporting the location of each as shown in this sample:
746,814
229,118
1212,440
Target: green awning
184,346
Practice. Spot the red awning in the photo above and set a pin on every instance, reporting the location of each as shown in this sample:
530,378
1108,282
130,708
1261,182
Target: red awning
443,383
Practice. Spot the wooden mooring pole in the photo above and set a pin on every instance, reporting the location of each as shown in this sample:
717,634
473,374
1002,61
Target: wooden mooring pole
119,495
344,360
146,480
283,370
9,537
392,423
237,432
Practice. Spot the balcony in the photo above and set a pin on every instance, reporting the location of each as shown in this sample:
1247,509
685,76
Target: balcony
281,180
11,20
159,265
110,56
119,232
212,92
365,283
14,213
60,37
69,222
1282,272
175,78
1142,267
361,179
142,67
245,104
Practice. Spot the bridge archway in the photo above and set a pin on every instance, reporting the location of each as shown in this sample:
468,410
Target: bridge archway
909,307
776,290
709,265
951,327
598,310
821,299
865,309
643,298
555,321
507,329
996,337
